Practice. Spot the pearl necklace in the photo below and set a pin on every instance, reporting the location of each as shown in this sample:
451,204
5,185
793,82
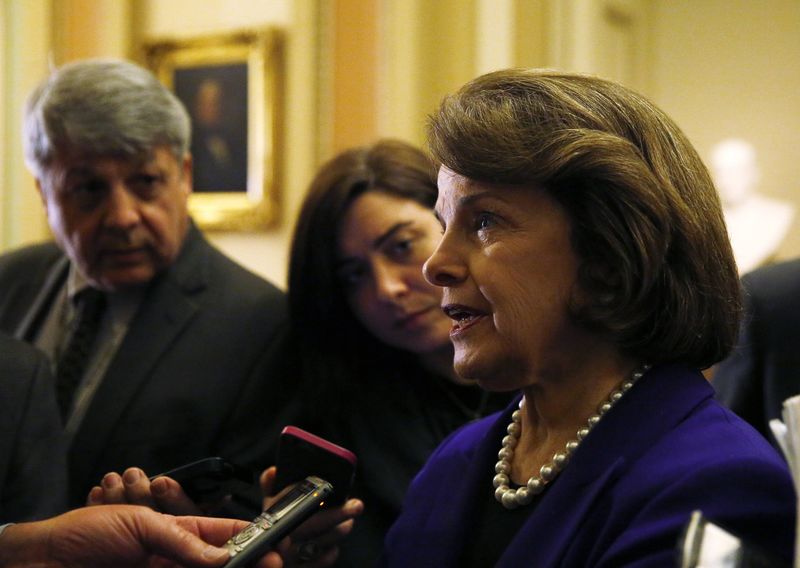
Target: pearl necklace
511,498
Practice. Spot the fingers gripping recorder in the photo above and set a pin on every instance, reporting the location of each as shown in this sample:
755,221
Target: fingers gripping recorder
294,505
311,472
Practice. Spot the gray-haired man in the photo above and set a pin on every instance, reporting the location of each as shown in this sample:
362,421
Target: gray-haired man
183,334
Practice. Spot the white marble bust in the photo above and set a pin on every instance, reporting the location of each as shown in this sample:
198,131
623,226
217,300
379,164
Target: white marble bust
757,224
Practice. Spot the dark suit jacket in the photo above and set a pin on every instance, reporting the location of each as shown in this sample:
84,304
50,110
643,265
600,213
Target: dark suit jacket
666,449
191,378
33,480
764,369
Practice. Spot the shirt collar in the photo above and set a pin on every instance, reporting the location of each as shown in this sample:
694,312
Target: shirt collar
76,282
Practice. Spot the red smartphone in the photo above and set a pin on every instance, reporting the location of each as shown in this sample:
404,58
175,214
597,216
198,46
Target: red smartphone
302,454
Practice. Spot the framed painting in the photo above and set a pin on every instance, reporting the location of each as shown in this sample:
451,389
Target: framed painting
231,86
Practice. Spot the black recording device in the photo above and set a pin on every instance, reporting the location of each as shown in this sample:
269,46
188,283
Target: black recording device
293,506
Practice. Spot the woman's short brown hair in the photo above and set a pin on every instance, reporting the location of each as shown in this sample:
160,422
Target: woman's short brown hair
657,271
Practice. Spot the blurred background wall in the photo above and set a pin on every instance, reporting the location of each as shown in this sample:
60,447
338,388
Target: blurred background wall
356,70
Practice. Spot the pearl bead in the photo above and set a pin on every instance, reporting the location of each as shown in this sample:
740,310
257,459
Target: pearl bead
535,485
510,498
523,496
500,480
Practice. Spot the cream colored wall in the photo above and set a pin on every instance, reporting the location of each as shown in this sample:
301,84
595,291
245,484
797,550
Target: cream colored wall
3,138
3,83
427,50
24,43
37,34
732,68
186,18
720,67
108,20
609,38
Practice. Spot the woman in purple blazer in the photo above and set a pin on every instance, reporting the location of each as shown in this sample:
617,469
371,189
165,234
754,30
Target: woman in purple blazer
584,262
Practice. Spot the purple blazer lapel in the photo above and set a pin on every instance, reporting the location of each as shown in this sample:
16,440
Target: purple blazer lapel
548,534
651,409
462,504
442,502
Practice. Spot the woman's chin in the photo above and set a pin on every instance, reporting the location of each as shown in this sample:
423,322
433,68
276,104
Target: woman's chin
489,375
473,372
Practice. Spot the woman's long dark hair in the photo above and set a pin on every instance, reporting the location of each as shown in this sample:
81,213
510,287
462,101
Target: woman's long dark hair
337,352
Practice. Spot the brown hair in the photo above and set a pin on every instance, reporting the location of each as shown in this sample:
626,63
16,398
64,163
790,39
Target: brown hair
336,344
657,267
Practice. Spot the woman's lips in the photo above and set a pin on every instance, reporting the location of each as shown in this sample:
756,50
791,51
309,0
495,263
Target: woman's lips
463,317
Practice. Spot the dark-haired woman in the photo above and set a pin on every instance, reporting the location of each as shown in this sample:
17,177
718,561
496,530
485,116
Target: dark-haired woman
375,345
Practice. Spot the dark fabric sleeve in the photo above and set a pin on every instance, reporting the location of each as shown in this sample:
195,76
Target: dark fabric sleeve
34,484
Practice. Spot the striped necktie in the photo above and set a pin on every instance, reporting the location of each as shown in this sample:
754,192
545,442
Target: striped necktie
90,304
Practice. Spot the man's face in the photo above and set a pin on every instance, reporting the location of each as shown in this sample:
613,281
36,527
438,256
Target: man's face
120,221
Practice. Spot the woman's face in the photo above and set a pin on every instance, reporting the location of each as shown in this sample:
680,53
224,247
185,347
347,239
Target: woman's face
383,242
507,270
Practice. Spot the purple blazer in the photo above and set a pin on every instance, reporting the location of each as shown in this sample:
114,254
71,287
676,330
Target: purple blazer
665,449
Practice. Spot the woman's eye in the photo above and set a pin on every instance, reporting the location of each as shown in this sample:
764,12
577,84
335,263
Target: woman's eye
402,246
484,221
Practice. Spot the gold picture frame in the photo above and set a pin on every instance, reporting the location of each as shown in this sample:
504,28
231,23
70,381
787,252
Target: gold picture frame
231,85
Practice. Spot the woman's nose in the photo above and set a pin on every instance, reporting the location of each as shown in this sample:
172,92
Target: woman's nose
444,267
390,282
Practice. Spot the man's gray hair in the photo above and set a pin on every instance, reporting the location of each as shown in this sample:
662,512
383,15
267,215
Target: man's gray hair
102,108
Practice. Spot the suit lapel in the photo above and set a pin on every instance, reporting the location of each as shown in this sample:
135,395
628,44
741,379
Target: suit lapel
166,310
29,325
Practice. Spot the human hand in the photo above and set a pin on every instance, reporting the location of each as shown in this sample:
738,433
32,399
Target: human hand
133,487
122,536
315,543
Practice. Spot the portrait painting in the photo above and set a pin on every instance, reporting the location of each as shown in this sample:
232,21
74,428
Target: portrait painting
231,87
216,98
